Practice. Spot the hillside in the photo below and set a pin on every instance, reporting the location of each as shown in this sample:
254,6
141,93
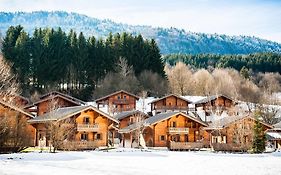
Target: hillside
170,40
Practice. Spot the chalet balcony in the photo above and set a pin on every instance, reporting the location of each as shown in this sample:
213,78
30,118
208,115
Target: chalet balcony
173,130
172,108
79,145
186,145
88,127
123,101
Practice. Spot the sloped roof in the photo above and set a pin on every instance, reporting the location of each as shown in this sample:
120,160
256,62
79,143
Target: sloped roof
125,114
65,97
66,112
182,98
277,126
273,135
226,121
62,94
164,116
16,109
210,98
156,119
129,128
114,93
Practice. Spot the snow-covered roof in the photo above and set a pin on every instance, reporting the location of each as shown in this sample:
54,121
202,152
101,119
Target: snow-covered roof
226,121
273,135
66,112
177,96
125,114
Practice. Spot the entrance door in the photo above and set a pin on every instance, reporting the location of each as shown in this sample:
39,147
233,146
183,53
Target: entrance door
42,141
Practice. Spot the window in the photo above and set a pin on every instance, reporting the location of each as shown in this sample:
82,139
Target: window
84,136
118,97
86,120
162,138
132,120
98,137
174,124
186,137
124,97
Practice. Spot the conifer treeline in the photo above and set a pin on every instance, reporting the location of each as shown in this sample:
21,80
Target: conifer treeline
259,62
52,58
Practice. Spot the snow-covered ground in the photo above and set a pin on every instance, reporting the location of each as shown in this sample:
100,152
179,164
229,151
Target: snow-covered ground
136,162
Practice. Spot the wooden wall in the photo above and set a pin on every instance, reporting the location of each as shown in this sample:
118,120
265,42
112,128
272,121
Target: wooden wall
44,106
155,132
12,117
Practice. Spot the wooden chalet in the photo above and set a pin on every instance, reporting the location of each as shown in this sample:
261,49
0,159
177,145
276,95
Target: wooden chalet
170,102
13,116
215,102
175,130
118,101
52,100
233,133
16,100
91,128
126,119
274,136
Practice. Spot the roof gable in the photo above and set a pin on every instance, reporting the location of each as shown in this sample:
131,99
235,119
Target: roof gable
211,98
164,116
227,121
170,95
64,113
78,103
16,109
126,114
114,93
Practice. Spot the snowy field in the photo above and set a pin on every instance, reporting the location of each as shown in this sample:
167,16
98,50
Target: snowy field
136,162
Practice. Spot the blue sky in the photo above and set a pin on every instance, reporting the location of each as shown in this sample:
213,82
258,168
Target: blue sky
260,18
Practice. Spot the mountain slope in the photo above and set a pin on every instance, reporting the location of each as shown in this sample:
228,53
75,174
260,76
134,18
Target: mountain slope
170,40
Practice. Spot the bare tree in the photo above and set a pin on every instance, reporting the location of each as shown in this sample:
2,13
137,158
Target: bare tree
124,79
137,134
202,82
153,83
14,134
59,131
179,78
8,84
123,67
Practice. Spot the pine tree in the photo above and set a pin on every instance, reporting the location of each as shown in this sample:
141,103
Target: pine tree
259,138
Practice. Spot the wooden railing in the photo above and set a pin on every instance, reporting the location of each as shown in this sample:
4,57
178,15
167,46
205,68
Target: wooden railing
178,130
123,101
79,145
88,127
186,145
171,108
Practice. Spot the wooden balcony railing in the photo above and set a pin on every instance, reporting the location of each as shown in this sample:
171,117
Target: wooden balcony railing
186,145
80,145
123,101
183,108
178,130
88,127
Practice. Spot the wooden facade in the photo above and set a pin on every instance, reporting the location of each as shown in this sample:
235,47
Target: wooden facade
126,119
174,130
170,102
232,134
52,100
118,101
214,102
92,128
12,117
